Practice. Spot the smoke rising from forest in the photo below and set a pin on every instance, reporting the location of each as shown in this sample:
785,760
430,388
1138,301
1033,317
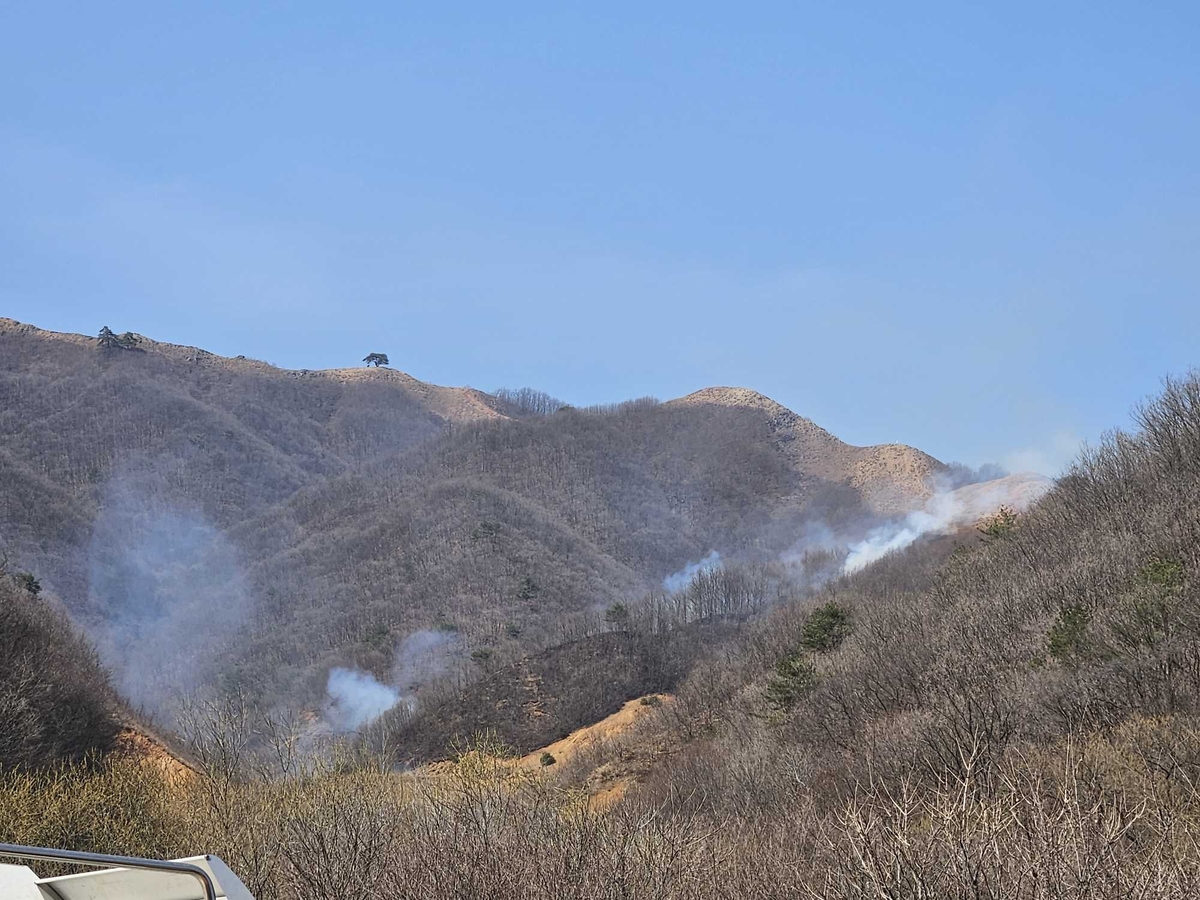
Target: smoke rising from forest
357,698
961,496
677,581
166,592
949,508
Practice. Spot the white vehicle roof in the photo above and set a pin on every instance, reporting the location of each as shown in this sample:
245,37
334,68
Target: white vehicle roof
19,882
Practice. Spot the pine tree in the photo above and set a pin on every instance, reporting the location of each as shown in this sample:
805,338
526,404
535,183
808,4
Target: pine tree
107,340
794,676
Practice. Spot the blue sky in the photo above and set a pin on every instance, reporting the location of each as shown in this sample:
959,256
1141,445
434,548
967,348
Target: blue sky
971,230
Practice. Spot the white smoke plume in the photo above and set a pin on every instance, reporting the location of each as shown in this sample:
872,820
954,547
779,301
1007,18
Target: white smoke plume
889,539
357,698
946,511
679,580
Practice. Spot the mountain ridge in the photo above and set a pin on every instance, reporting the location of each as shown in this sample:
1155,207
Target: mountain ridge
462,404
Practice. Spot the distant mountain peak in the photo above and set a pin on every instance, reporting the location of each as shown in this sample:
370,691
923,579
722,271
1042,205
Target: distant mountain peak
892,477
733,396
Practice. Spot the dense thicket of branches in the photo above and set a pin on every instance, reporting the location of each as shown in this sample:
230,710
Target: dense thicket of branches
530,400
55,703
1082,618
519,528
543,697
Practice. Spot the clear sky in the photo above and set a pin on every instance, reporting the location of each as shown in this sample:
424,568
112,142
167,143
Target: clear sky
972,230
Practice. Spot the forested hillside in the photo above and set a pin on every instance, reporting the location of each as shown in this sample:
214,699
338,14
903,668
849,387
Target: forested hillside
1010,710
56,705
220,521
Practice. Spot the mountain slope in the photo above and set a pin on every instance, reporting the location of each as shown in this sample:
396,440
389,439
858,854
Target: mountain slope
55,702
891,478
226,436
263,524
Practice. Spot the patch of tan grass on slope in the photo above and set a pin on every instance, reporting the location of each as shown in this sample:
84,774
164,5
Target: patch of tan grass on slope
140,747
892,478
607,729
600,766
455,404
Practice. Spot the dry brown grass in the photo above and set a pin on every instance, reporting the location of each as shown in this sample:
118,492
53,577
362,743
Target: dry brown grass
1091,819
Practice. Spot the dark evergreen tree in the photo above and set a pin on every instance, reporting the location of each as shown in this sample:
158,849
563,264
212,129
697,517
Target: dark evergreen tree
107,340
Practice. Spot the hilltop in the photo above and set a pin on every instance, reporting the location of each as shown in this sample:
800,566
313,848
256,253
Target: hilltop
890,478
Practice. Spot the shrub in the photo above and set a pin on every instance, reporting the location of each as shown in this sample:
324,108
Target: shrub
1165,574
826,628
617,615
528,589
999,525
1067,638
794,676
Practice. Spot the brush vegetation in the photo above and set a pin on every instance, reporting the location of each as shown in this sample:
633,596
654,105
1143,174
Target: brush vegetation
55,702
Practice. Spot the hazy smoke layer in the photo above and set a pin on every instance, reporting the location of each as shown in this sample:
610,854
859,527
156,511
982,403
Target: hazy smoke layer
681,579
166,593
421,656
890,538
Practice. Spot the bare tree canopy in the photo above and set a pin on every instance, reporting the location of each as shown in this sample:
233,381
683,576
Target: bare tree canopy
530,400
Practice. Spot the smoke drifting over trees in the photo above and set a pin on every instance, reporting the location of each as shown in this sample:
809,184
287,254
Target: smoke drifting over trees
167,595
945,512
677,581
356,699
